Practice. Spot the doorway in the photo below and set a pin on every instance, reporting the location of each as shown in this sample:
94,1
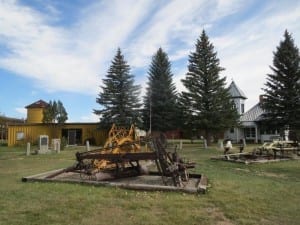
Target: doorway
73,136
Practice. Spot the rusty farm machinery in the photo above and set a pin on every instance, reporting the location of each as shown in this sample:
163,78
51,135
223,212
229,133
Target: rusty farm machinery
274,151
123,162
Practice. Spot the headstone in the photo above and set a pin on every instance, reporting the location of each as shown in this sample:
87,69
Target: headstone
180,145
244,142
87,146
54,144
28,149
220,144
43,143
205,143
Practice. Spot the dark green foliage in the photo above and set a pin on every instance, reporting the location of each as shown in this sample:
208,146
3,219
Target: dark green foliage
206,102
119,96
62,114
55,113
49,113
64,143
161,96
282,92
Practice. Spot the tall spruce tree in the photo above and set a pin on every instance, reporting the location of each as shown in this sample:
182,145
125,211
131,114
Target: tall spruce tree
160,100
206,101
119,96
282,92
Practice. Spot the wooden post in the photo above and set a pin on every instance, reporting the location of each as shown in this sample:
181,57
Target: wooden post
58,147
28,149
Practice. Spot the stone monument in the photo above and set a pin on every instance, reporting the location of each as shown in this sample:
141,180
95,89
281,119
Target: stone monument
43,144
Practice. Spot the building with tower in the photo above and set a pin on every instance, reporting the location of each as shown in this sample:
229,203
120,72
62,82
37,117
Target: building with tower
251,126
30,130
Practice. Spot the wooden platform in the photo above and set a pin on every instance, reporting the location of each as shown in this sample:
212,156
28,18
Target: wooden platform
152,182
249,158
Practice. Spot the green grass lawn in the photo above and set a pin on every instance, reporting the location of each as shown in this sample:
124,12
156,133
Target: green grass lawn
238,194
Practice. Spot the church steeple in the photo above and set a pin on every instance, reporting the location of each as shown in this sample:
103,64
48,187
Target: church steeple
238,97
236,92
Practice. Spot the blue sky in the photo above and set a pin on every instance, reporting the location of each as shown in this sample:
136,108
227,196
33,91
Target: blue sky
61,50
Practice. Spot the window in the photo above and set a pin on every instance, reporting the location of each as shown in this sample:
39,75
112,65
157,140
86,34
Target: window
250,132
242,108
232,130
20,135
268,131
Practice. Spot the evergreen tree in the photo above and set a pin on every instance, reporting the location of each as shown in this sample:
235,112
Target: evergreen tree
55,112
48,113
62,114
206,102
282,93
161,97
119,96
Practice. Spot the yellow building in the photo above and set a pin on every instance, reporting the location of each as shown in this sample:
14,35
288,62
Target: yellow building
4,122
35,111
74,133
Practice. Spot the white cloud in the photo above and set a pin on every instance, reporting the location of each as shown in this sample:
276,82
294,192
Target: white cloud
21,111
225,7
90,118
178,76
247,50
176,26
170,23
75,58
60,58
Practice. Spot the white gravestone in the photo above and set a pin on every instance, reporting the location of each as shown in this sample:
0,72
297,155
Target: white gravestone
43,143
55,144
87,146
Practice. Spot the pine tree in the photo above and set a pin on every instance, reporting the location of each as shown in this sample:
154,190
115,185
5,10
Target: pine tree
282,93
161,96
206,102
119,97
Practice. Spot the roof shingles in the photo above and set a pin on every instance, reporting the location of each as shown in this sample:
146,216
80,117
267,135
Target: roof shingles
38,104
253,114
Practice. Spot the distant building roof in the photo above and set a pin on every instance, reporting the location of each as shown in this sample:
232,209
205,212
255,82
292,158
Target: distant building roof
38,104
235,92
253,114
10,120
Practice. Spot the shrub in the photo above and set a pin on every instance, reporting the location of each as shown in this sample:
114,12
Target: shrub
63,143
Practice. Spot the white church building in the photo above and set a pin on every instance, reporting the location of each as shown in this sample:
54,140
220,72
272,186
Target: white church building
250,127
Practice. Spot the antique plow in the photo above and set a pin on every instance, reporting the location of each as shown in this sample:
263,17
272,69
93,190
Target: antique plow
122,163
126,164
